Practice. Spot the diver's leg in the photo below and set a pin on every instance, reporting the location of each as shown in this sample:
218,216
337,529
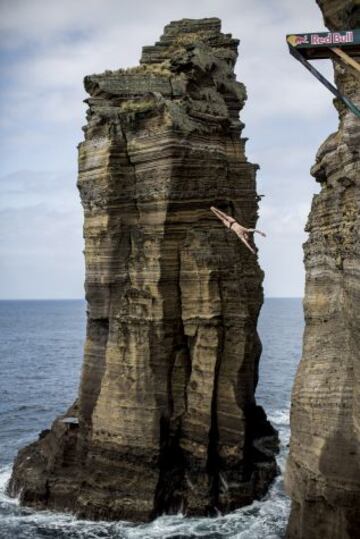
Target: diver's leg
245,242
257,231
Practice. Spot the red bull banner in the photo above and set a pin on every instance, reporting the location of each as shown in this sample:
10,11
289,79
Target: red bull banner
347,37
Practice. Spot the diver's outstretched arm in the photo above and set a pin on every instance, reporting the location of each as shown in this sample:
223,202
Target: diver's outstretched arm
226,219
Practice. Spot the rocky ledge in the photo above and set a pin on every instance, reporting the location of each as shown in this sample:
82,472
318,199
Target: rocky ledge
166,418
323,471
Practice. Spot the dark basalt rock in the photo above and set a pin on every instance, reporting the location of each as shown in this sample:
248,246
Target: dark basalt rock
167,418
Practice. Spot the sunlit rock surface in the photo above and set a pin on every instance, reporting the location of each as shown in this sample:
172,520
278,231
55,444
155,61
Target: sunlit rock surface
323,472
167,418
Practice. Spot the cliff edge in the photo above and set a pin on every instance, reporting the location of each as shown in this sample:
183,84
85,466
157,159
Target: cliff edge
166,418
323,470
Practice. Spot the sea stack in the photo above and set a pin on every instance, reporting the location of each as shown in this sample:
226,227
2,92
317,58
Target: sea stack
166,418
323,471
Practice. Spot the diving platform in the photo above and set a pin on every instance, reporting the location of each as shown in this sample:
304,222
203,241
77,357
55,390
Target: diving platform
343,47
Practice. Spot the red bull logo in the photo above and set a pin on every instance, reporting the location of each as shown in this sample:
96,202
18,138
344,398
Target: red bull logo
295,40
301,40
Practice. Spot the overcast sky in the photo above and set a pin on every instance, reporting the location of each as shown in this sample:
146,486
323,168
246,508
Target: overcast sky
48,46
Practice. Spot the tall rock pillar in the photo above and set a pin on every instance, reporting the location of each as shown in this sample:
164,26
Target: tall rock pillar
167,418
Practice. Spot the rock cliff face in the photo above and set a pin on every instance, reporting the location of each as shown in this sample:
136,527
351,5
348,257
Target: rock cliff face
323,473
166,417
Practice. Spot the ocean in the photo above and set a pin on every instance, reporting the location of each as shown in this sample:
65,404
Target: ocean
41,344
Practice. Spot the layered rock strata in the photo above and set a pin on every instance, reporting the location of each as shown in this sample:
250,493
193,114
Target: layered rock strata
166,418
323,472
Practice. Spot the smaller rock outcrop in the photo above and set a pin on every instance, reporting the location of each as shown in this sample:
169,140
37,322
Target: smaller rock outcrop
323,471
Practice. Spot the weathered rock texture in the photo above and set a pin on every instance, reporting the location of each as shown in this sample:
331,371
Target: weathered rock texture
323,473
167,414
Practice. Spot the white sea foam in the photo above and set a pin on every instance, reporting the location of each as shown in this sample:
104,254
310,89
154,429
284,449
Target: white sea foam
279,417
5,474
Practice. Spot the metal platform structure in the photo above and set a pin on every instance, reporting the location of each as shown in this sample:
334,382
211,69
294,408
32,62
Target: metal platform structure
342,46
